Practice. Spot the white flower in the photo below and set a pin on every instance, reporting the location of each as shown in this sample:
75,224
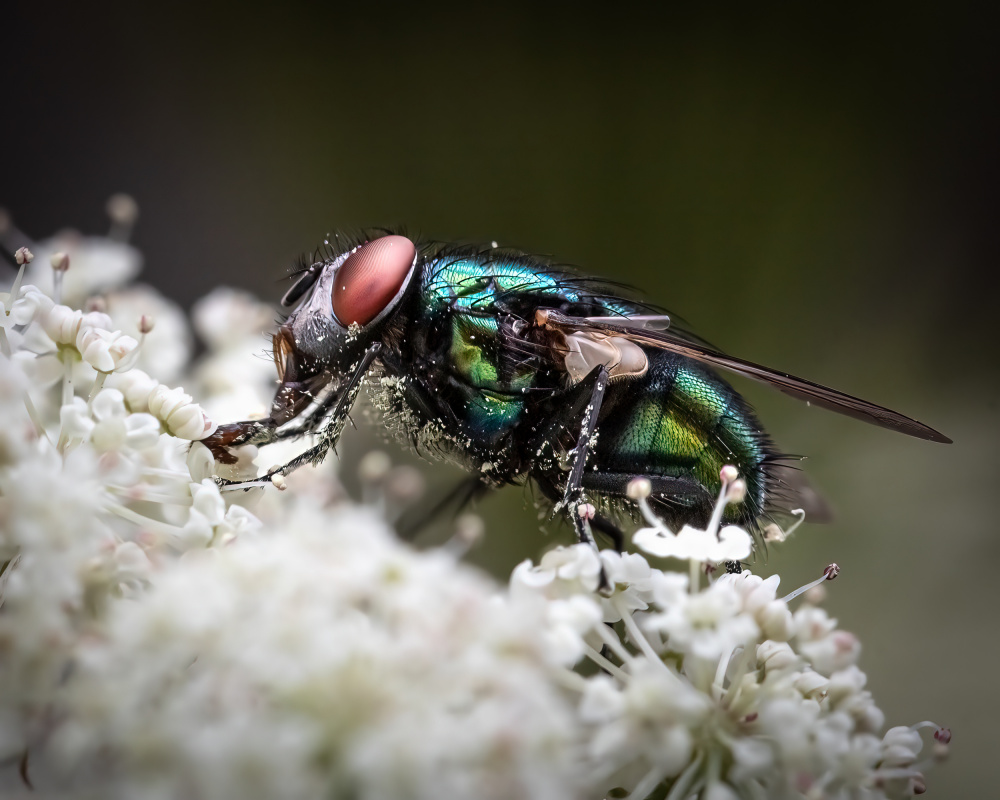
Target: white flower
562,572
63,324
707,624
22,310
730,544
107,351
116,428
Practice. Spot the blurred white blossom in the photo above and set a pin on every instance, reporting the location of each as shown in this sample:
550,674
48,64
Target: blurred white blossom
159,639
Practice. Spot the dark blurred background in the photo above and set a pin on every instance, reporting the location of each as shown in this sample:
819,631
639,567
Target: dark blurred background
815,190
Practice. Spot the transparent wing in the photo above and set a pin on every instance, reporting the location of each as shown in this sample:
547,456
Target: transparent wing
812,393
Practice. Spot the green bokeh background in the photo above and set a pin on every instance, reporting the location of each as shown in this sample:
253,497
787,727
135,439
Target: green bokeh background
812,190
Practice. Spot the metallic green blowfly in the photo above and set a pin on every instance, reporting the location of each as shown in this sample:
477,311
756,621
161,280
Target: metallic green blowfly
521,371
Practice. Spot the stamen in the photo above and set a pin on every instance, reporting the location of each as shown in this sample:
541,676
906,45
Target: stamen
142,492
694,576
124,211
35,418
649,781
142,521
372,470
605,664
650,517
831,572
729,475
638,489
67,381
23,256
96,388
637,636
684,783
774,533
742,668
60,264
610,638
469,531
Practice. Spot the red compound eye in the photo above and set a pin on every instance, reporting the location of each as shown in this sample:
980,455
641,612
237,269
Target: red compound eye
370,278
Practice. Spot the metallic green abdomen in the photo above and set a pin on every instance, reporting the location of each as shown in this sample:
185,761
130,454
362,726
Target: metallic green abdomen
682,421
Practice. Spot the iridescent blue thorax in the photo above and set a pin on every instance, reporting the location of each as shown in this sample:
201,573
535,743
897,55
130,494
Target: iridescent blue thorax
473,302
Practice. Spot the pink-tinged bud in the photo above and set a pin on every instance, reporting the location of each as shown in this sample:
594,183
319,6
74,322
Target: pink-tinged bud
404,484
23,256
943,735
374,466
737,491
815,596
59,261
469,529
96,303
146,323
773,533
832,571
729,473
586,511
122,209
639,489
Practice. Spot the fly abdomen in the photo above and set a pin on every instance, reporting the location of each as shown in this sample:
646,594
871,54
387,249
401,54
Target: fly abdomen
682,423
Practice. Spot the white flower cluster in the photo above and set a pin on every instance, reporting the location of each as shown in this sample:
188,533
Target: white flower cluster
720,693
157,639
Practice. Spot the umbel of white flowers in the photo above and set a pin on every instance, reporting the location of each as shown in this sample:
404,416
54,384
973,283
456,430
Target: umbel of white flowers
160,640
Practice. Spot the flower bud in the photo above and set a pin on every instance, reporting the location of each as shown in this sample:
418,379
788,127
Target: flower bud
811,684
776,656
122,209
729,473
59,261
639,488
190,422
374,466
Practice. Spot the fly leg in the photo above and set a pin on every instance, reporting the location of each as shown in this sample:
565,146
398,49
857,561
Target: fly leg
327,436
276,427
458,496
573,494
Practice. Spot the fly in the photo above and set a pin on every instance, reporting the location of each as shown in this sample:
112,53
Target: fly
521,371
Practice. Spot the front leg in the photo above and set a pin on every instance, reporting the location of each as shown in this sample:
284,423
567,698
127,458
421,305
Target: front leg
573,494
328,435
236,434
299,407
